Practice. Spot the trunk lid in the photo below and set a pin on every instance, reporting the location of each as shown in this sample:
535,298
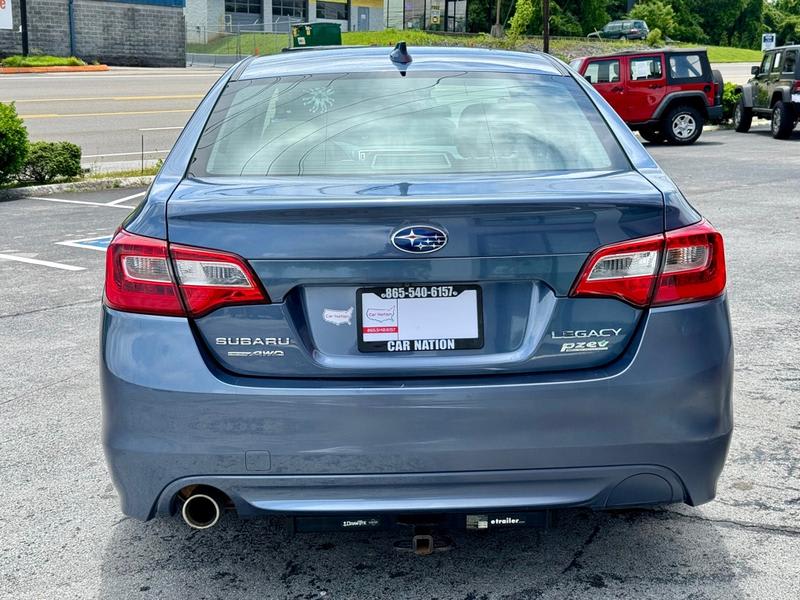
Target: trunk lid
515,245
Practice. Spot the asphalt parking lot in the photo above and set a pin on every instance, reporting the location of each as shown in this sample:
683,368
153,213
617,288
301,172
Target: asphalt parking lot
62,534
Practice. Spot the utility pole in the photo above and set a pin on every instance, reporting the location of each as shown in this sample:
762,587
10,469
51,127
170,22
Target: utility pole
497,29
23,22
546,23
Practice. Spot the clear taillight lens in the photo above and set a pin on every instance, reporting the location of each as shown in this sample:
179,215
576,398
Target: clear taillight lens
146,268
619,266
683,259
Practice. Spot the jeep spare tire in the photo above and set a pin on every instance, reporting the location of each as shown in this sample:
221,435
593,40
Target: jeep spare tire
683,125
719,86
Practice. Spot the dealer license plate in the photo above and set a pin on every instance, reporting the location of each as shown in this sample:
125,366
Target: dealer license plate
420,318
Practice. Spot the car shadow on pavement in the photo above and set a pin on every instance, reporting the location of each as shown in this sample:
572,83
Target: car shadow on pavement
767,133
632,554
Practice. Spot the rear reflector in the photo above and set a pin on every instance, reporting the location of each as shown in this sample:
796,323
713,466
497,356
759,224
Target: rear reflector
693,268
142,273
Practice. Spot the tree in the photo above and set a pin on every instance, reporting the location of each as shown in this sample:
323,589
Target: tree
480,14
589,14
786,25
688,23
657,14
523,15
749,24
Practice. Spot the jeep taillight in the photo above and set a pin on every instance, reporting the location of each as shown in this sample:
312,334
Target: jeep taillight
147,275
683,265
796,87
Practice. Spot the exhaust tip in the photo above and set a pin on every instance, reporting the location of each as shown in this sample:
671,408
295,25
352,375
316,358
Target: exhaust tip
201,511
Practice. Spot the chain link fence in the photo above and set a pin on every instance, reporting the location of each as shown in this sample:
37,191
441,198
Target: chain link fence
223,46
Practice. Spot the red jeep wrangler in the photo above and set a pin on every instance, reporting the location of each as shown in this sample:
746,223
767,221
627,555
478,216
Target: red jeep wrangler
663,94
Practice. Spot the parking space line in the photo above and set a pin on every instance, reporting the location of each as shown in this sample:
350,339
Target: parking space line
121,200
44,263
125,153
94,243
83,202
159,128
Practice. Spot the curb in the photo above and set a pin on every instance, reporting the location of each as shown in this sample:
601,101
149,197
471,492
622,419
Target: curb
80,69
89,185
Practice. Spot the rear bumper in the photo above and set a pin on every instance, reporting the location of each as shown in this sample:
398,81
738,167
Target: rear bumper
653,427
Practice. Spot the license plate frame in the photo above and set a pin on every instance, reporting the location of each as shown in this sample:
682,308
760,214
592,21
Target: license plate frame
414,293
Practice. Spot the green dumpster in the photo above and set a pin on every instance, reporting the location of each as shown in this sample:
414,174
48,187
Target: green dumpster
316,34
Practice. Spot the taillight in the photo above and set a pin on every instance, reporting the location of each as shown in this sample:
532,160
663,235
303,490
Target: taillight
147,275
138,276
796,87
209,279
694,265
684,265
626,271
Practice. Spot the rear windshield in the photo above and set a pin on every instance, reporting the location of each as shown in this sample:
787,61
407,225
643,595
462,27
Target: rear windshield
423,123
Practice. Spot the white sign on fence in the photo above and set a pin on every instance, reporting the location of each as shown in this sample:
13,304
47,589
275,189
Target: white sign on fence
6,22
767,41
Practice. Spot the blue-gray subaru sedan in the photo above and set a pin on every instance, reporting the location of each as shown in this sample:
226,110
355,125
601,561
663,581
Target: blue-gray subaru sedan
444,281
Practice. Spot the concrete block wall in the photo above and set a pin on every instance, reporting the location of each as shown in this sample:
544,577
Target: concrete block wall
49,33
117,33
10,41
130,34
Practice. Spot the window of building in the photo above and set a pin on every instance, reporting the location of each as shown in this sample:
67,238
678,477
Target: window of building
289,8
252,7
333,9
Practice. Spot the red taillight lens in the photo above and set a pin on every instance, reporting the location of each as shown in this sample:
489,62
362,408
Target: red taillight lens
138,276
685,265
210,279
141,276
694,265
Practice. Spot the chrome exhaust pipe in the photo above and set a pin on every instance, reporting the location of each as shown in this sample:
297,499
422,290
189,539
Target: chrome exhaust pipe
201,511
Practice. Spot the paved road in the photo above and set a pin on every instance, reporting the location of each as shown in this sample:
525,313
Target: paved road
109,114
64,537
735,72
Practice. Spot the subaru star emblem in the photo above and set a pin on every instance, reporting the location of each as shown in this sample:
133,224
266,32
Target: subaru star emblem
419,239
